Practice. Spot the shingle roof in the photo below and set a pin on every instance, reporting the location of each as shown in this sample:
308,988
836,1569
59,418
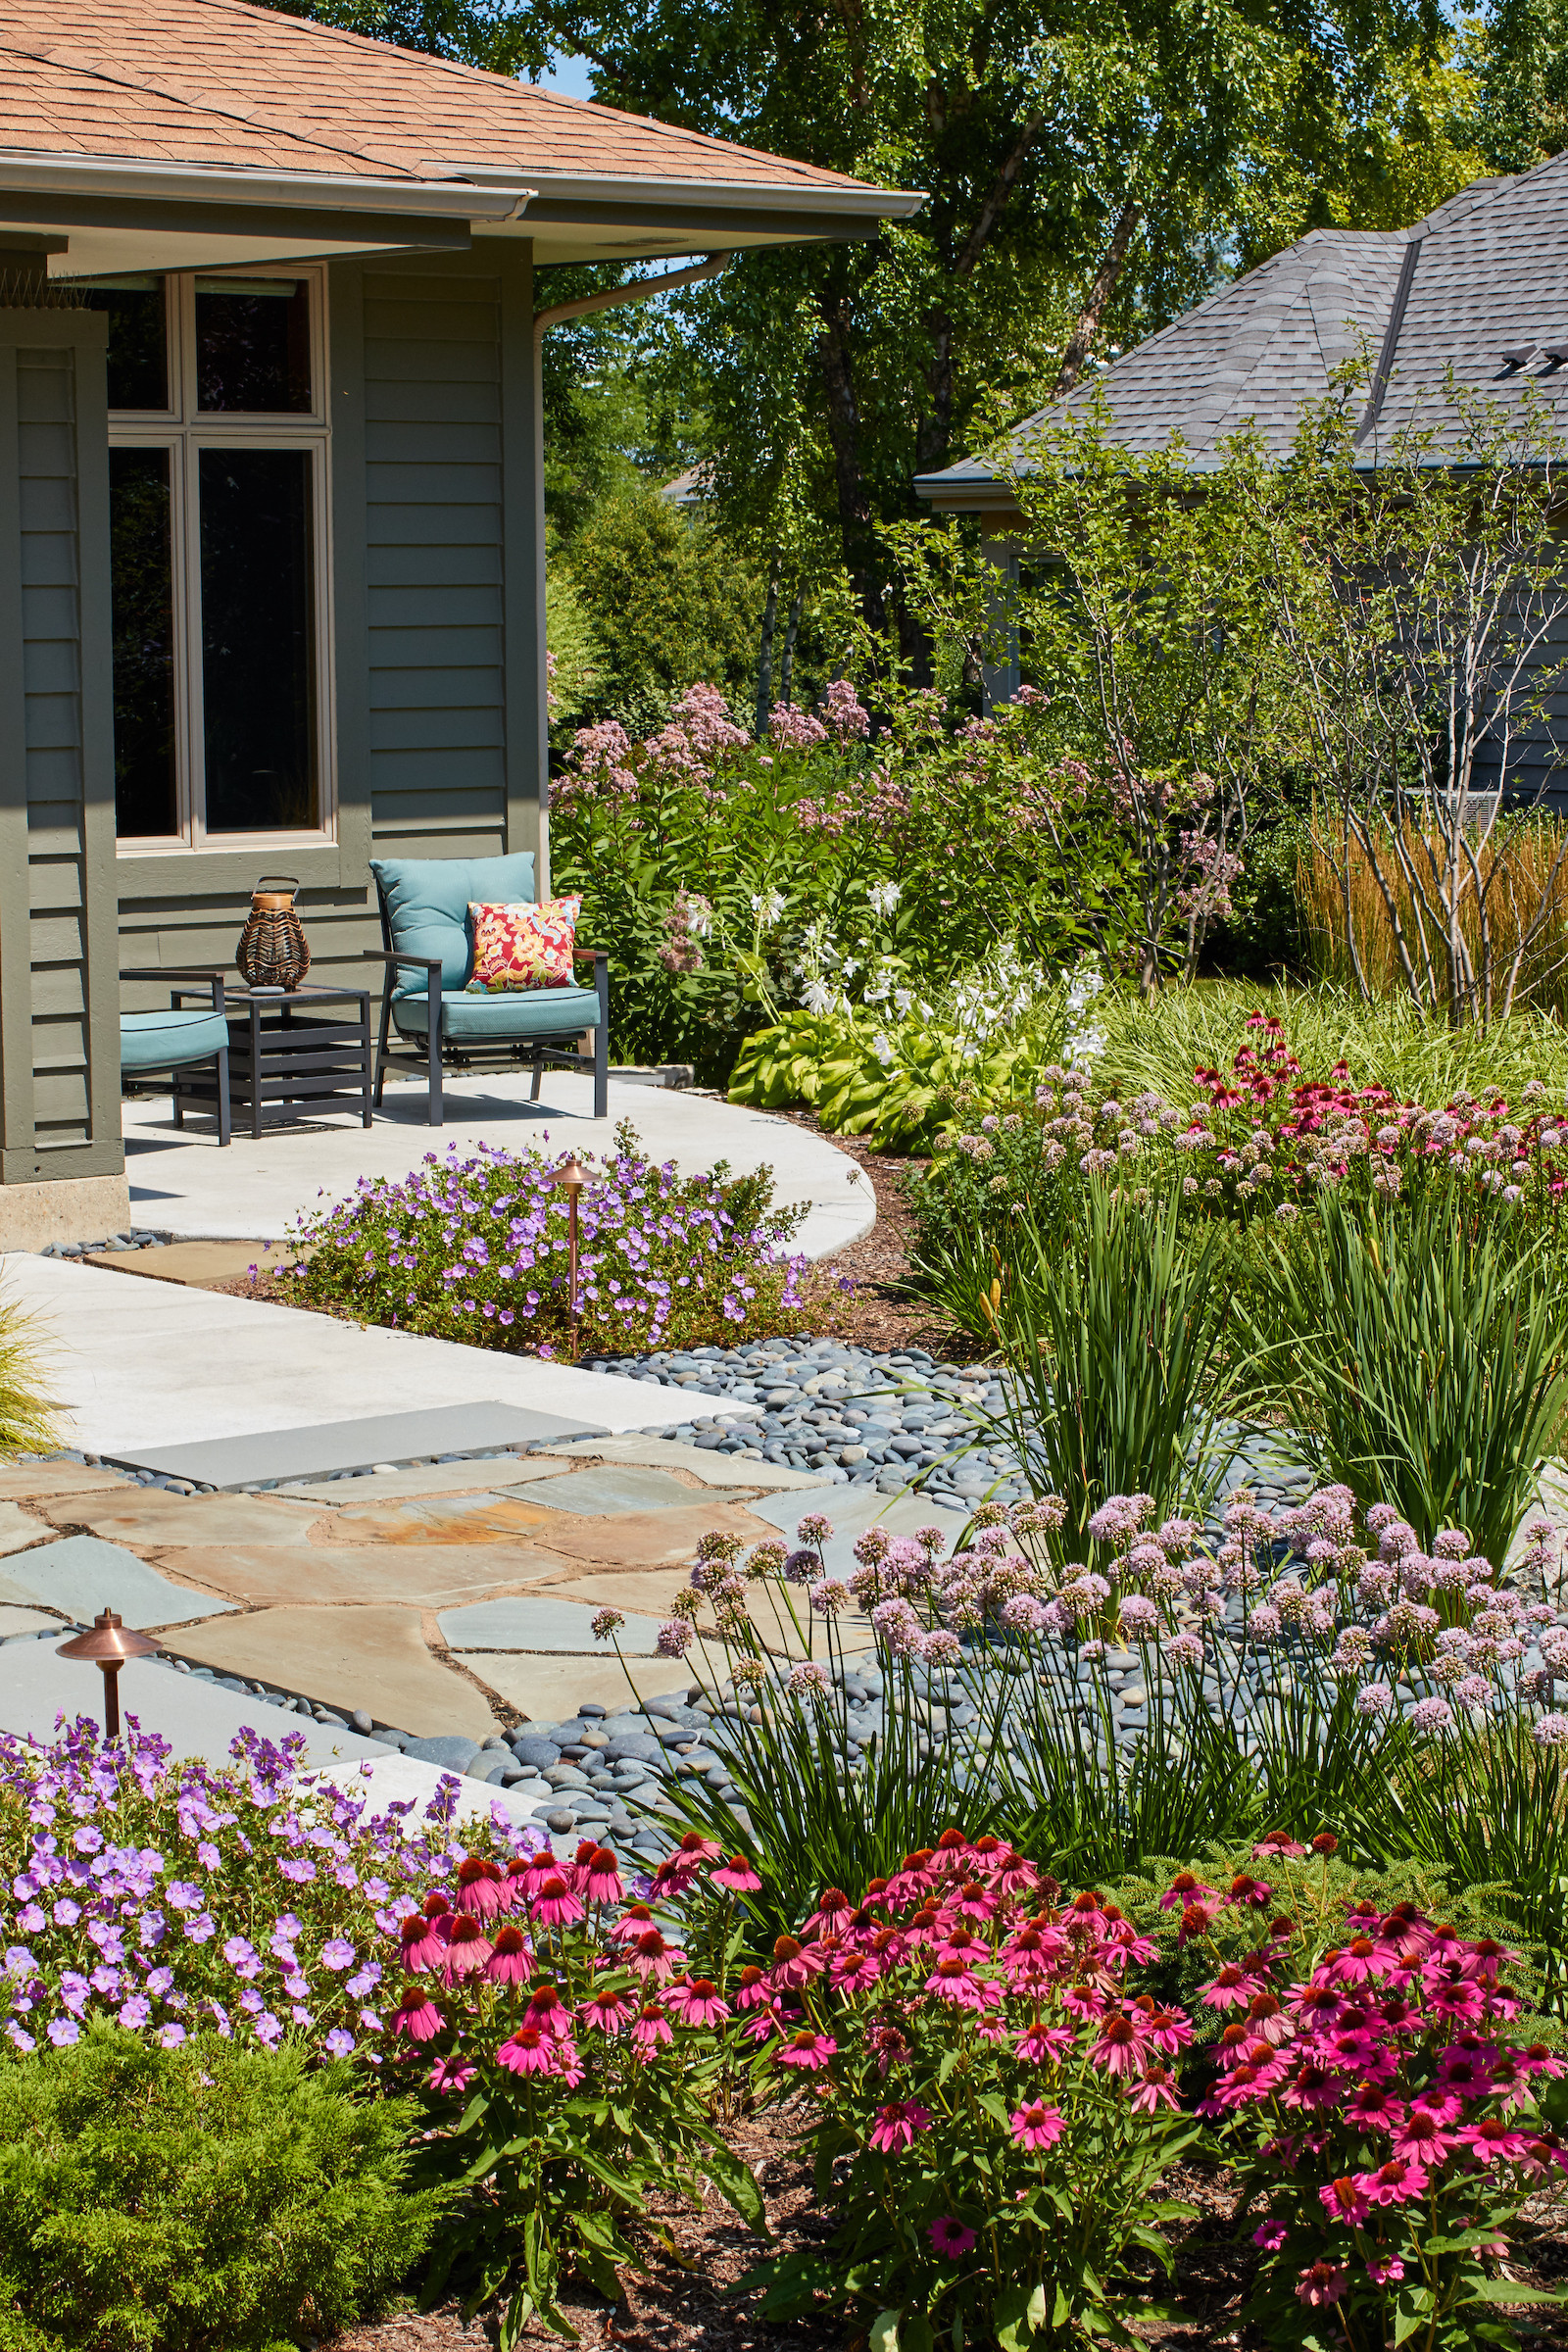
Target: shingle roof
219,82
1489,274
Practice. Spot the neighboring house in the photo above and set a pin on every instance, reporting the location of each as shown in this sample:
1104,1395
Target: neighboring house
687,492
271,531
1480,285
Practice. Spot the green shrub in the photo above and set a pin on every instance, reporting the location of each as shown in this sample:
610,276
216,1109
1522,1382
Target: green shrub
28,1422
200,2199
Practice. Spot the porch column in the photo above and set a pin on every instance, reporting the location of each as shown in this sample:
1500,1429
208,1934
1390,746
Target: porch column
1001,677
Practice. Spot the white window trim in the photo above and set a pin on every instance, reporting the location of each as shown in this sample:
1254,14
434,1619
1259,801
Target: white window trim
185,431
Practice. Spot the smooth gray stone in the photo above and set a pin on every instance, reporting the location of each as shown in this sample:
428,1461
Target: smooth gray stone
538,1752
319,1450
362,1721
447,1748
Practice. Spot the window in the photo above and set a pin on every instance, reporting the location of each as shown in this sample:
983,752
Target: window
217,529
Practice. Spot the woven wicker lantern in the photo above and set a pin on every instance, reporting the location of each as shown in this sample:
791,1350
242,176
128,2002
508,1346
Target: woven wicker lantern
273,951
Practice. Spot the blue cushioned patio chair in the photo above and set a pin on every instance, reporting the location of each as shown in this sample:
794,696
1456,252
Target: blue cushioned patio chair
427,949
154,1042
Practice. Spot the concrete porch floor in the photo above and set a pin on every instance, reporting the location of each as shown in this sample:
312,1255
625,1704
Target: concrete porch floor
182,1183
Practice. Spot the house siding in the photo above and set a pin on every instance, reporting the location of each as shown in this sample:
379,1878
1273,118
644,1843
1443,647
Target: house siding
427,476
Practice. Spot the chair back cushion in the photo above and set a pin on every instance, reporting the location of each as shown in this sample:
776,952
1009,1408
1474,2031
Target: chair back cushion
428,901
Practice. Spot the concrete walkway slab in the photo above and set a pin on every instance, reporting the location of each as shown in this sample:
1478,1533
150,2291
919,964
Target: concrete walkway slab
485,1475
19,1528
21,1625
183,1183
142,1367
196,1718
266,1455
611,1487
81,1576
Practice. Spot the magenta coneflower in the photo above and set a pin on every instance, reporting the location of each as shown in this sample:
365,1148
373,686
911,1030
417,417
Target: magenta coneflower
631,1922
794,1964
1037,2126
1232,1988
1342,2200
481,1888
853,1971
547,2011
1121,2047
1494,2141
468,1947
600,1879
555,1905
652,1956
652,2028
833,1913
510,1961
1373,2108
607,2011
951,2238
1399,2181
695,2001
423,1936
1323,2283
753,1992
1044,2045
527,1872
1156,2089
525,2052
452,2074
897,2124
808,2051
416,2015
736,1876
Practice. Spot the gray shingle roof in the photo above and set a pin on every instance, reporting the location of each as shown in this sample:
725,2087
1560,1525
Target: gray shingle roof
1491,274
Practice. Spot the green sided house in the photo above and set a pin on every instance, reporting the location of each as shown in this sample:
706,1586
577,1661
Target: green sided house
271,514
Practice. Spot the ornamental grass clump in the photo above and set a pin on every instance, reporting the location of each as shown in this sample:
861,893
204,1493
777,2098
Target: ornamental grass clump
991,2095
478,1249
571,2057
1387,2123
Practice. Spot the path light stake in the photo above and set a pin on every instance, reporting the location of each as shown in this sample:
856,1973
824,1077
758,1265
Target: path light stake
107,1646
571,1179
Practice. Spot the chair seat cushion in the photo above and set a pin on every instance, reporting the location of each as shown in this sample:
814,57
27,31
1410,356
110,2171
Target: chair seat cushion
165,1041
428,902
513,1017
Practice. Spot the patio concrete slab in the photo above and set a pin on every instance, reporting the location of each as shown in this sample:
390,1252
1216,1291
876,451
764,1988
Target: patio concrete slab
79,1576
387,1779
324,1576
650,1538
539,1622
183,1183
145,1367
707,1467
17,1625
611,1487
294,1452
19,1528
371,1657
196,1718
151,1515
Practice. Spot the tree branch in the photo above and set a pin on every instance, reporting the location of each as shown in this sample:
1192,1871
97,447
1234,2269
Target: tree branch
1081,340
1002,187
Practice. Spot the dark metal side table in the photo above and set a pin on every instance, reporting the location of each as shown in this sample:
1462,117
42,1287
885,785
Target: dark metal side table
289,1057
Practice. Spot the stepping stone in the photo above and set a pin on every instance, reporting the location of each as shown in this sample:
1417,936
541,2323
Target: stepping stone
17,1625
418,1576
79,1576
149,1515
202,1265
371,1657
611,1487
435,1478
323,1445
546,1689
197,1718
667,1453
18,1530
650,1539
25,1482
542,1623
465,1519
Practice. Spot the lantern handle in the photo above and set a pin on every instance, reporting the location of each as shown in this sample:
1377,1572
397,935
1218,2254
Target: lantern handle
293,880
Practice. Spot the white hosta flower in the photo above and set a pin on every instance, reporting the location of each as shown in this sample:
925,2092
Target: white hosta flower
883,1048
884,896
768,906
820,998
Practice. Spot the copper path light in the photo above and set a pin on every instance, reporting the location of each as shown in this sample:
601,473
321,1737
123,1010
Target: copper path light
571,1179
107,1646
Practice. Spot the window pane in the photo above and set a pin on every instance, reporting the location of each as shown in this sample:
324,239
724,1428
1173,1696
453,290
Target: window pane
142,591
253,345
138,341
257,640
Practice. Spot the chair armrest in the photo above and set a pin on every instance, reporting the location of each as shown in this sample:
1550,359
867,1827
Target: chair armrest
588,955
425,963
175,971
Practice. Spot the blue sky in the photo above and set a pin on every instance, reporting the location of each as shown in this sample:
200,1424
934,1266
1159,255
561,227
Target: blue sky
569,76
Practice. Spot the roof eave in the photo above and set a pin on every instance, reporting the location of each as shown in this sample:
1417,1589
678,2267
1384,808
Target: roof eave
847,199
120,177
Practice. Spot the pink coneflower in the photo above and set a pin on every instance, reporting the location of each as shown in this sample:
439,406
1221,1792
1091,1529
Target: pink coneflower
468,1947
951,2238
1232,1988
753,1992
416,2015
1494,2141
1044,2045
1121,2047
1399,2181
607,2011
695,2001
736,1876
547,2011
794,1964
1342,2201
526,2052
600,1879
651,1956
853,1971
555,1905
1184,1890
1356,1963
652,2028
808,2051
1323,2283
897,2124
511,1960
832,1915
631,1922
1373,2108
527,1872
452,2074
1465,2075
1278,1844
481,1888
423,1936
1156,2089
1037,2126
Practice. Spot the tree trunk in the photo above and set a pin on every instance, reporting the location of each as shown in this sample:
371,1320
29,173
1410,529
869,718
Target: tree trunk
786,674
1106,277
844,431
764,660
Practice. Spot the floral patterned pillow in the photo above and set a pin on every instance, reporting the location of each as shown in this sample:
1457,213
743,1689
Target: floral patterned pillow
524,946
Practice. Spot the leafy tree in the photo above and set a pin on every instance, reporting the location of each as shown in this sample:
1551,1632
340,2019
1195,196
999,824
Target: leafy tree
493,33
669,603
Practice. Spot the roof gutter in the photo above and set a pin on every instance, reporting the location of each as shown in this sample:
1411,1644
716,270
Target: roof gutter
853,198
312,191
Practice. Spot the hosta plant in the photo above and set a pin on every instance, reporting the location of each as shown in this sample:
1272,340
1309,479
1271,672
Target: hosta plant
989,2098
